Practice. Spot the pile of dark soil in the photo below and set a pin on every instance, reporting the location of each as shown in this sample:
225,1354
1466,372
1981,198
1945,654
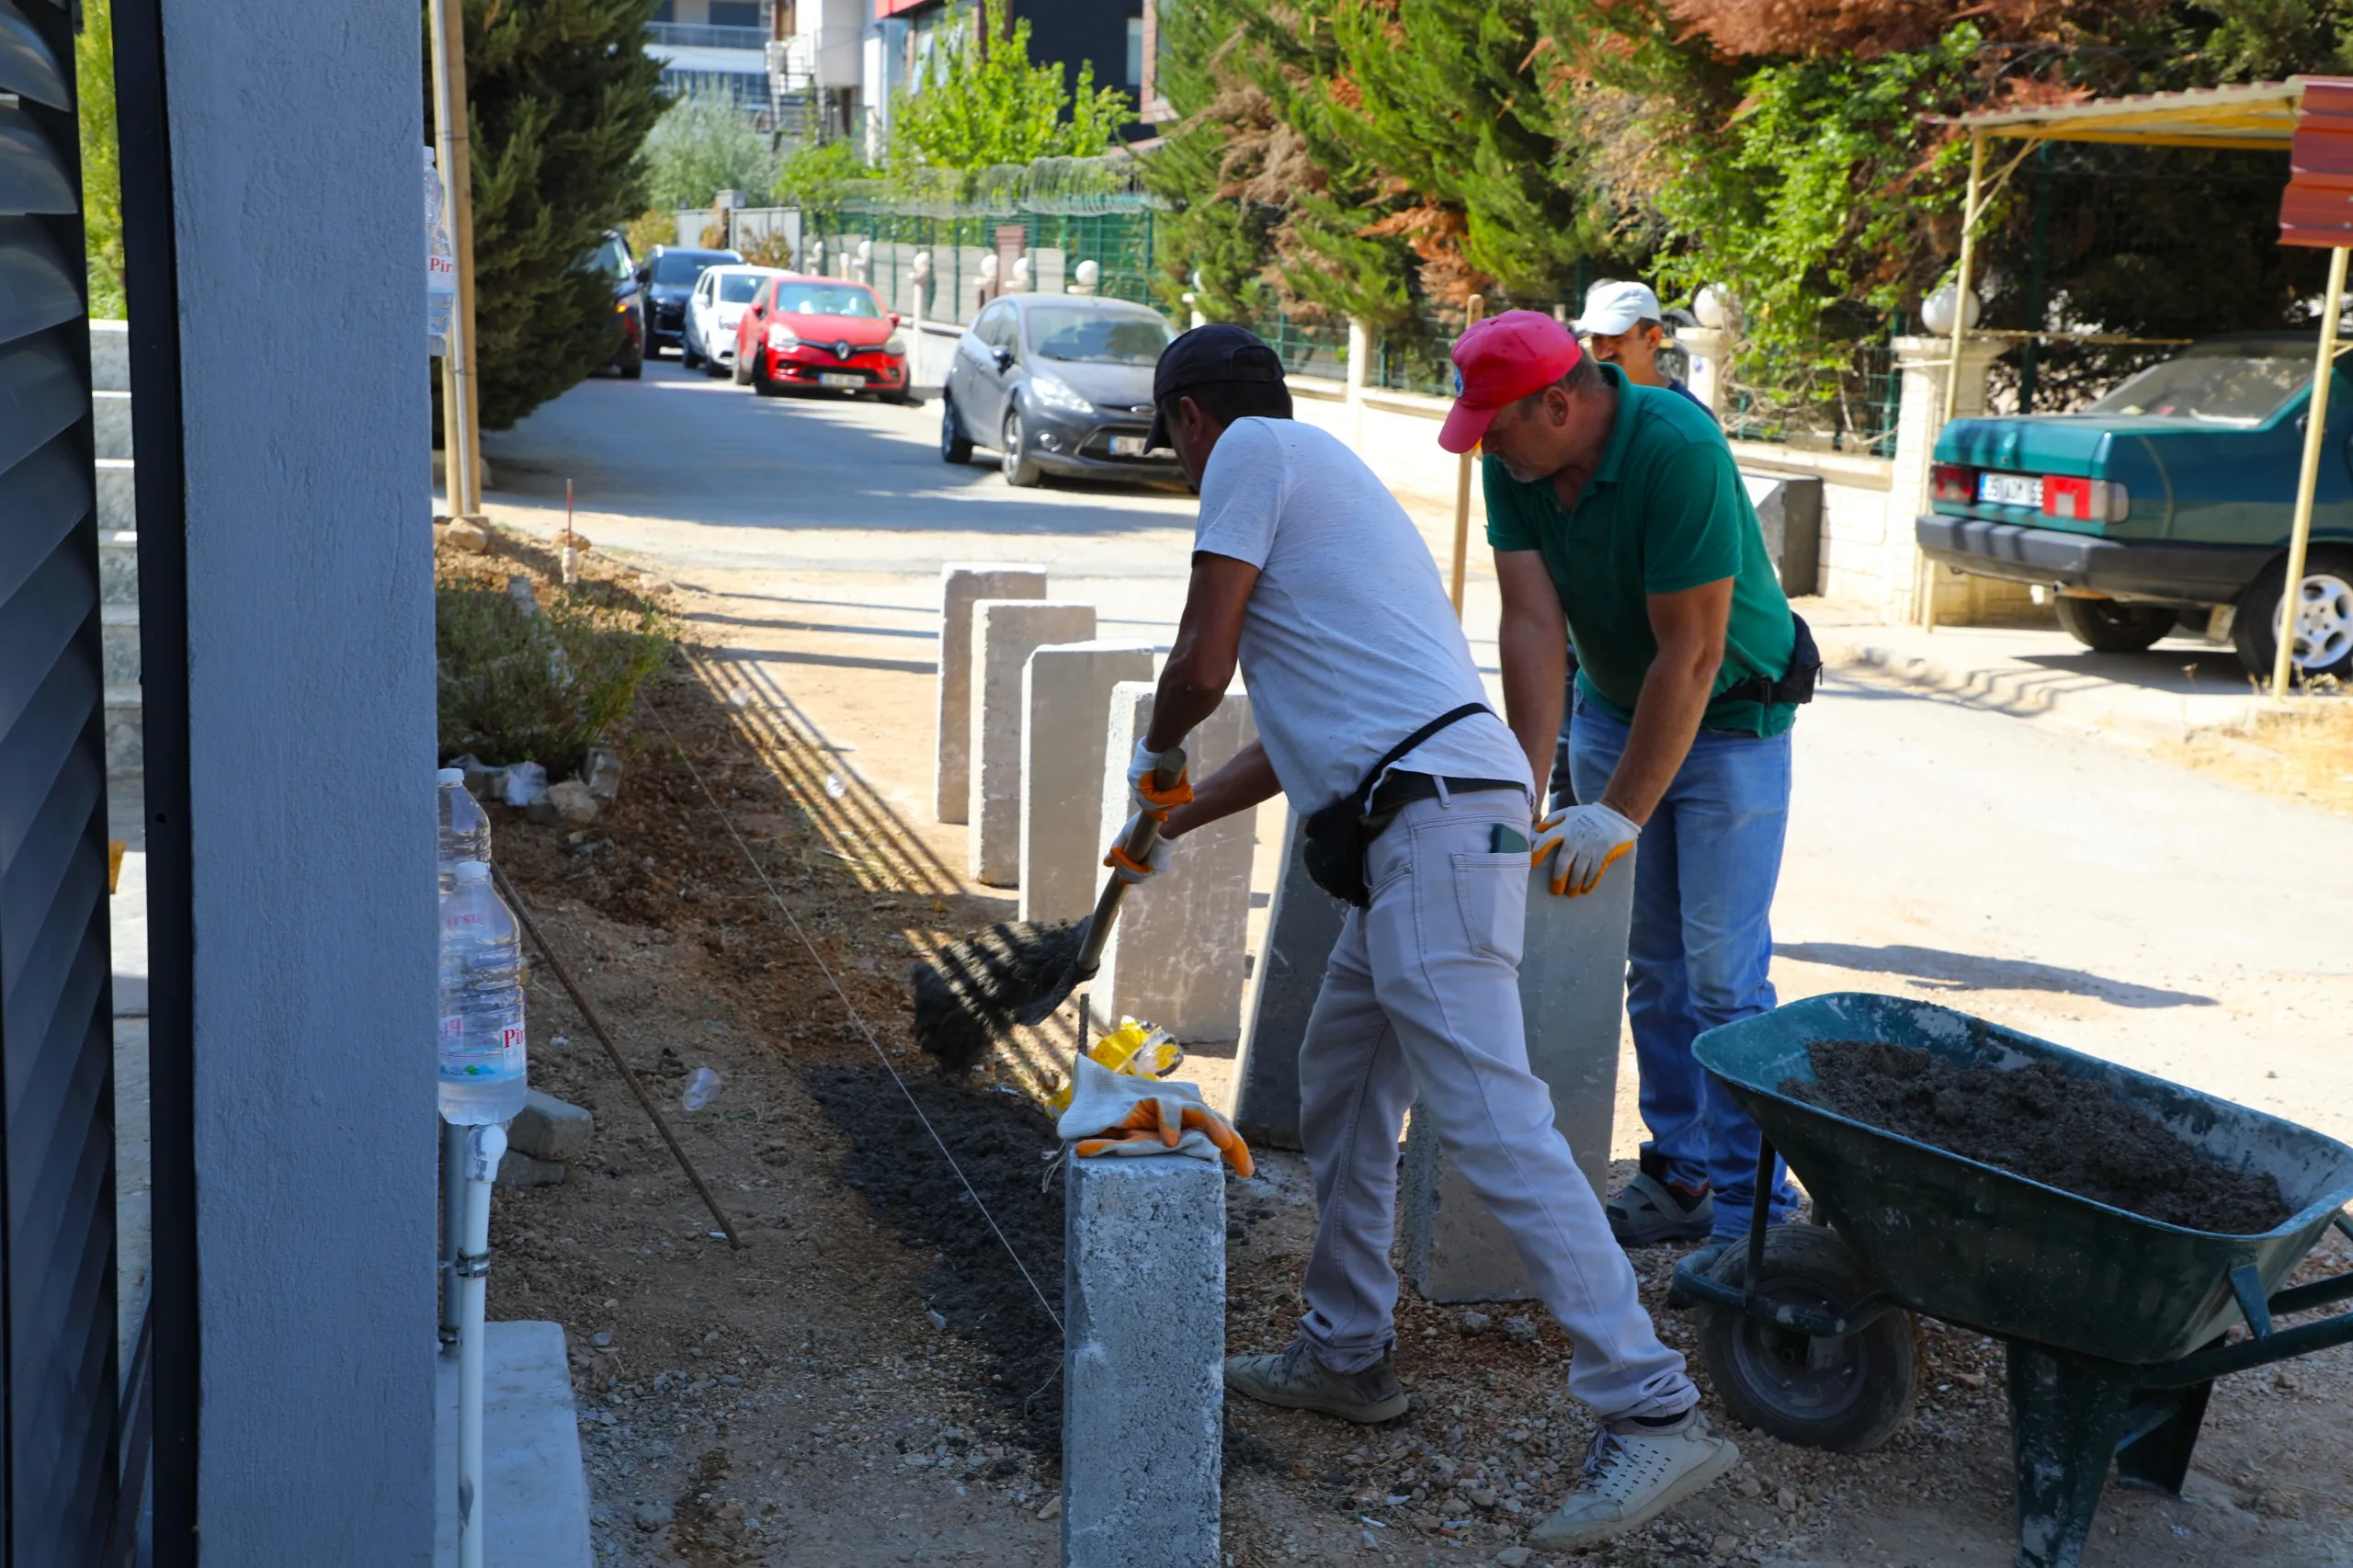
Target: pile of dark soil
997,1138
2038,1123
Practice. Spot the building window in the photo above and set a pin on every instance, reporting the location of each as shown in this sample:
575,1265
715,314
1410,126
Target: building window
665,12
1135,51
735,12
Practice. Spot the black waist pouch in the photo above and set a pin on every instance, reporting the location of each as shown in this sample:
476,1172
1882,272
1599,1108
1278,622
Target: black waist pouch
1337,835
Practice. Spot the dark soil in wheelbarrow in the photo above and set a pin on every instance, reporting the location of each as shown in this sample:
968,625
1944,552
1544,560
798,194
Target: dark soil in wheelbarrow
2039,1123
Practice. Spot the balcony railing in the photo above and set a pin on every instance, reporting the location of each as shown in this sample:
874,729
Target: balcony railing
695,35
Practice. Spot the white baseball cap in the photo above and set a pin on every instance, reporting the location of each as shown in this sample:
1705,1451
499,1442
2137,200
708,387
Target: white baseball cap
1613,308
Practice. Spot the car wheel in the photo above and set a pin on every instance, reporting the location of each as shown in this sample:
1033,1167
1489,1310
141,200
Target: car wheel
955,446
743,367
2324,644
1015,462
2107,627
762,383
688,357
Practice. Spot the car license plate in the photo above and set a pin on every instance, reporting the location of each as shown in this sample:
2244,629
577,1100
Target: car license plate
1127,445
2009,489
828,380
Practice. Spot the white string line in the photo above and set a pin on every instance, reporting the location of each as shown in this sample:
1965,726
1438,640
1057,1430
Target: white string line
857,1017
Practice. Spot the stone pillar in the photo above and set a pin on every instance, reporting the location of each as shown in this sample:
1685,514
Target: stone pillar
1065,692
1188,931
1301,925
960,584
1921,362
1572,996
1711,351
1143,1352
1004,634
1363,344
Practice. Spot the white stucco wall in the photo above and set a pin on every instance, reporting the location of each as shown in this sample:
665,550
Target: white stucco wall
296,137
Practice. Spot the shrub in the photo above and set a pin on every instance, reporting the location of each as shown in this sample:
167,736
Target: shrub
519,686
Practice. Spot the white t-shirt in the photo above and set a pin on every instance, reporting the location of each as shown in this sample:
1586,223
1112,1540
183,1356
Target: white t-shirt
1348,644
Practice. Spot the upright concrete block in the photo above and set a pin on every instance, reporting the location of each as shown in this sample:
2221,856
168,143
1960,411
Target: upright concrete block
1143,1348
1186,933
1573,995
1301,925
1065,692
1004,634
960,584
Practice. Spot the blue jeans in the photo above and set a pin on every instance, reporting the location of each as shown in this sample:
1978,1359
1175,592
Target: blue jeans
1701,950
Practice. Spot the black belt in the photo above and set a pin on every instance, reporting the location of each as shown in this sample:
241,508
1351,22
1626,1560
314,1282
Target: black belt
1400,790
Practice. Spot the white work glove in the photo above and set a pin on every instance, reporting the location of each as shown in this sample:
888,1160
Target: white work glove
1145,794
1111,1113
1128,870
1589,838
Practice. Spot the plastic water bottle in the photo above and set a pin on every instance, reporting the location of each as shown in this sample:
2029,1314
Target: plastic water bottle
481,1001
465,827
440,264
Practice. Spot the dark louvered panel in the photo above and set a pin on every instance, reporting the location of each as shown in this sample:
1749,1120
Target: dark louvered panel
58,1376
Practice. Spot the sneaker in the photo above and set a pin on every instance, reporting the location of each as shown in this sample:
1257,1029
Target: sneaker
1295,1380
1649,1210
1633,1473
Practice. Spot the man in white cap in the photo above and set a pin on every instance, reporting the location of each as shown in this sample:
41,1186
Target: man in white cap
1623,325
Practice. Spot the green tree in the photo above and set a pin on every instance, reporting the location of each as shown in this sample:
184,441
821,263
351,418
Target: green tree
563,97
101,158
815,177
701,146
983,101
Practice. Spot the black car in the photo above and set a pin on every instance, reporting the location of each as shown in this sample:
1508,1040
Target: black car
1058,383
611,259
669,274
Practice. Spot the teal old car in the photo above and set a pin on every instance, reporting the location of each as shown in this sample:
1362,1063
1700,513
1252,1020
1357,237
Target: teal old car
2167,502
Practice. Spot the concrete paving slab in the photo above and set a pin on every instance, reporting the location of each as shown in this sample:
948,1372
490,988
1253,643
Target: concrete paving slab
1143,1385
1175,957
1066,698
1004,634
1301,926
1572,996
535,1490
962,584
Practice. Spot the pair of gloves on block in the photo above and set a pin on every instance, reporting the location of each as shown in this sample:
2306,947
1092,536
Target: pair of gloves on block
1117,1113
1582,841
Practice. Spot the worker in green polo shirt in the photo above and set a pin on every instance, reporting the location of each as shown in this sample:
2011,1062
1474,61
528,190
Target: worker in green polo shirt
1616,508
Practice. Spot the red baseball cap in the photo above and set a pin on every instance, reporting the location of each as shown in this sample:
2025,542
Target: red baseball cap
1499,362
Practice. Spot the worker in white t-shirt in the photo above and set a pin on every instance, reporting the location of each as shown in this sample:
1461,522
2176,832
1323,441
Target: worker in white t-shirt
1309,576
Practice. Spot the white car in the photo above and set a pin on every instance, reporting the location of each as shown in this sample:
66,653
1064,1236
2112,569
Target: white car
708,338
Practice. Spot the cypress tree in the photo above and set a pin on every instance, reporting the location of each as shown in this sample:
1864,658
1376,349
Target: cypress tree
562,94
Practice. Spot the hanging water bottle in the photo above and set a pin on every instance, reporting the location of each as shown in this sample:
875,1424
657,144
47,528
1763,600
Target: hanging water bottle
481,1001
465,827
440,263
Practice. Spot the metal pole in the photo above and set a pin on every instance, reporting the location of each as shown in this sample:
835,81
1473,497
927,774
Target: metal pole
2291,591
1925,569
461,433
484,1146
1473,309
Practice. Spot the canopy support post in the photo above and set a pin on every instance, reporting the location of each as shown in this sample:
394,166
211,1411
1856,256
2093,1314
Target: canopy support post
2291,591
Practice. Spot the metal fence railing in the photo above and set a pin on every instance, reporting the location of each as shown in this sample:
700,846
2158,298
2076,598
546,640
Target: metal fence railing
1846,400
697,35
1319,349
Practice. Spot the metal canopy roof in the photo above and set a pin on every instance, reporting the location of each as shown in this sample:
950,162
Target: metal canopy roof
2258,116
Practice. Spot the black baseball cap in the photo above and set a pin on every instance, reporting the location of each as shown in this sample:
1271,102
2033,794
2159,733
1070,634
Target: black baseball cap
1218,352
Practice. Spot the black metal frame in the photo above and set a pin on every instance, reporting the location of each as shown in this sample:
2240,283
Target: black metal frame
2070,1414
151,284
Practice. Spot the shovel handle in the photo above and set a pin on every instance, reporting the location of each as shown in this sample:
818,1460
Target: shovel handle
1139,849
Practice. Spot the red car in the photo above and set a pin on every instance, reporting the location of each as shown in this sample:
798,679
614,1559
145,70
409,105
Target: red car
820,332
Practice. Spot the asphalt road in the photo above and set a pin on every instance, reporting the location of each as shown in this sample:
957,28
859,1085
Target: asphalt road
2075,888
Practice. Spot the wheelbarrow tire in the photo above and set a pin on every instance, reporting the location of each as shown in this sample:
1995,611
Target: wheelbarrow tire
1846,1395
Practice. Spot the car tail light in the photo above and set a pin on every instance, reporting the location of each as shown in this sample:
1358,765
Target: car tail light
1953,481
2085,500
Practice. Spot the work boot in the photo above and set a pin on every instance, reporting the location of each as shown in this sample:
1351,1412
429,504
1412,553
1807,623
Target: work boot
1636,1470
1295,1380
1647,1211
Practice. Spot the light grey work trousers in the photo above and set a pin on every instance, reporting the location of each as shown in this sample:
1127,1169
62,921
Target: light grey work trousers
1422,997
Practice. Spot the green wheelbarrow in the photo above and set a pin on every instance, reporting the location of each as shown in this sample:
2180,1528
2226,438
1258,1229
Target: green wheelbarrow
2116,1325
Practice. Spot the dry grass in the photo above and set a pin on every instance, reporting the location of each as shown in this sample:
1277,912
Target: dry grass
2303,752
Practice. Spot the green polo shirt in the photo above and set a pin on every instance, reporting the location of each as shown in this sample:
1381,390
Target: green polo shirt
1665,511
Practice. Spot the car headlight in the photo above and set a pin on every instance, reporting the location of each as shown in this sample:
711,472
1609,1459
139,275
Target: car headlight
896,346
1056,393
781,336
